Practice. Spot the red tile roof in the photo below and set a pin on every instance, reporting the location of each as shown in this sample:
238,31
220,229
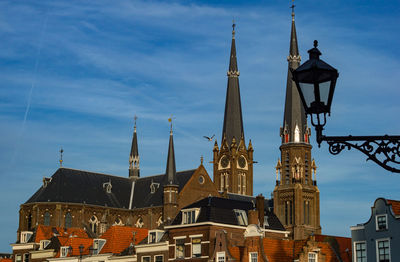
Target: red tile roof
118,238
235,252
395,206
6,260
47,232
343,245
75,242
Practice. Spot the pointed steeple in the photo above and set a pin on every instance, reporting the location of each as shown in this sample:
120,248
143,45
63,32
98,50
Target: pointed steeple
233,123
170,171
294,127
134,171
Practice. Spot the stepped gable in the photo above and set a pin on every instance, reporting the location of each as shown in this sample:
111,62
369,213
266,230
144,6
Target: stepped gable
78,186
119,238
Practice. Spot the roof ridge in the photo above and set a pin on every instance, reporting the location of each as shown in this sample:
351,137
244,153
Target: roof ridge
92,172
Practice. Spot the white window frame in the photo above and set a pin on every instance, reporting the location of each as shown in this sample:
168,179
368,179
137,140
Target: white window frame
18,258
44,244
194,213
191,241
377,248
64,251
221,255
315,258
184,247
98,244
25,236
162,258
242,214
158,235
355,249
386,222
253,257
142,259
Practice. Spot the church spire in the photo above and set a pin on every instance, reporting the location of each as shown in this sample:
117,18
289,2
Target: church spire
294,122
170,171
233,123
134,171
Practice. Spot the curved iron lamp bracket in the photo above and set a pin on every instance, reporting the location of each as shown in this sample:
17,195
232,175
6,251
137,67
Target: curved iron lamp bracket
383,150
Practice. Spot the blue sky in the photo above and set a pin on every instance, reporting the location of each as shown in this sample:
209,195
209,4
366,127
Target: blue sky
74,73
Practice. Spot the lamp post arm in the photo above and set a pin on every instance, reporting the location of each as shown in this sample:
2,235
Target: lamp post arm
383,150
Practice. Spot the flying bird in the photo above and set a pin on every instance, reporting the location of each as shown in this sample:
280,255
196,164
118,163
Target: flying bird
209,138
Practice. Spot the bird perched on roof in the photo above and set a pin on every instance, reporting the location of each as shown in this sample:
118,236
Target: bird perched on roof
209,138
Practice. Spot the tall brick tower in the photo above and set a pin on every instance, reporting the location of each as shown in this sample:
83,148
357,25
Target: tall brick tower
233,162
296,195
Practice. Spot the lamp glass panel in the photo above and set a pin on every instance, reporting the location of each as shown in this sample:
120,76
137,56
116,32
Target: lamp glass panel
308,92
324,91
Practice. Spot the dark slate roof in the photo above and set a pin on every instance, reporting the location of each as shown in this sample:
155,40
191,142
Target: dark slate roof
77,186
221,210
294,111
268,203
134,147
233,122
171,169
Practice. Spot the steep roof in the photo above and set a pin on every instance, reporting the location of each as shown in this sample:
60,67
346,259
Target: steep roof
395,206
340,245
47,232
222,210
233,123
78,186
118,238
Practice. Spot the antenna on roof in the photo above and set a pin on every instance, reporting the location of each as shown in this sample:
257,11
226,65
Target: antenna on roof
61,155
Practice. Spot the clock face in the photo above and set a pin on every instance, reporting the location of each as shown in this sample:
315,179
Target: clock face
242,162
224,161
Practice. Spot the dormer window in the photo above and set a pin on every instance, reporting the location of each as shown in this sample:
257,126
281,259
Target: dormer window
154,187
266,224
381,222
107,186
241,217
98,245
64,251
189,216
44,244
155,236
25,236
46,181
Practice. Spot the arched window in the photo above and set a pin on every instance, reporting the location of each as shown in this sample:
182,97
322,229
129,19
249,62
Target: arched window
139,223
46,219
93,223
68,220
118,222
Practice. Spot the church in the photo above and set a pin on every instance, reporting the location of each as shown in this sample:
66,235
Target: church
171,201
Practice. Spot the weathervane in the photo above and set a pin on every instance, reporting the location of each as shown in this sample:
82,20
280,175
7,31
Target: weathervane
61,155
135,118
170,120
292,7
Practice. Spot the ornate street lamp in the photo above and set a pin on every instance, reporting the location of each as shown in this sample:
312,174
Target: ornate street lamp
315,81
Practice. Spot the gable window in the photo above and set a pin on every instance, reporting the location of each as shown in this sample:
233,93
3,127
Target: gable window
159,258
44,244
180,248
68,220
220,257
98,245
64,251
381,222
189,216
383,248
241,217
312,257
361,252
196,247
46,219
253,257
25,236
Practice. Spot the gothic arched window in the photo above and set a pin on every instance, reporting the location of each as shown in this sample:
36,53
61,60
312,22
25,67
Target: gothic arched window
68,220
139,223
46,219
29,221
93,223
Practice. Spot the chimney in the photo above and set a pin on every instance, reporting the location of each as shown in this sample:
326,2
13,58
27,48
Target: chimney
260,208
253,217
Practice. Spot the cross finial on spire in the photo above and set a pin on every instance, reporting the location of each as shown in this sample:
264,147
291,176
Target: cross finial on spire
292,7
233,28
61,155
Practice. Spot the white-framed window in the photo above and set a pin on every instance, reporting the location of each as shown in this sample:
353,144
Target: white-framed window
241,217
93,221
98,245
44,244
25,236
383,250
159,258
64,251
360,251
18,258
196,247
253,257
189,216
312,257
220,257
155,236
381,222
180,248
146,259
